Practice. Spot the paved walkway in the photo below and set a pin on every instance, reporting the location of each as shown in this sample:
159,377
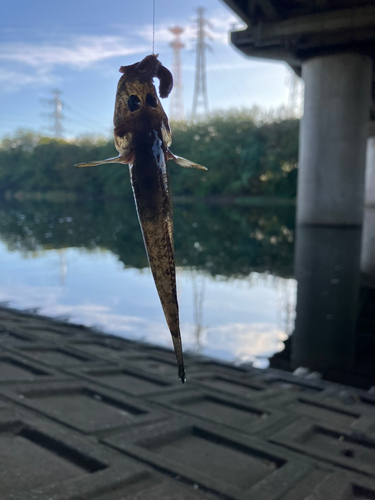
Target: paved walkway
89,416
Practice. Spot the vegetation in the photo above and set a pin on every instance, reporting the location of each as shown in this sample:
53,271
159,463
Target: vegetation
245,154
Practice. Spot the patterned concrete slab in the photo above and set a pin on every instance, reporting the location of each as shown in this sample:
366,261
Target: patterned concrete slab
37,454
16,369
324,409
82,406
57,356
226,462
233,384
236,413
127,379
88,416
334,444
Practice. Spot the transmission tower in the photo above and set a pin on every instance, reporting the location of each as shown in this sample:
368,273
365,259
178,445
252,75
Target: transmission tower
200,89
296,95
176,108
56,115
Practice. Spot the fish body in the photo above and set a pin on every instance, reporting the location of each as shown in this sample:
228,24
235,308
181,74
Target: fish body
142,138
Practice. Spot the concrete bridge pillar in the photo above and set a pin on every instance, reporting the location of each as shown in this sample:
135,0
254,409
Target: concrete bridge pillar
368,242
333,139
370,168
368,233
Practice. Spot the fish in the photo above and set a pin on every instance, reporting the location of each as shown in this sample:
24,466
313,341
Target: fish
142,137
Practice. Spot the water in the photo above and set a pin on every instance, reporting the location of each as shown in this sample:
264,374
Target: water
87,262
237,274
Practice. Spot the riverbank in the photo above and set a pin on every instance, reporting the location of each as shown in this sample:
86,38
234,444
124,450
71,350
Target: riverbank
88,415
62,197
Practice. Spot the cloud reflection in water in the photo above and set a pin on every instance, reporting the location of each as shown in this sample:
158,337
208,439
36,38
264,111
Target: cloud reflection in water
239,320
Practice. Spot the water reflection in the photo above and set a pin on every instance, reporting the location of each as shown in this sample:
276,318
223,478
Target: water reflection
88,262
334,331
224,241
327,272
236,283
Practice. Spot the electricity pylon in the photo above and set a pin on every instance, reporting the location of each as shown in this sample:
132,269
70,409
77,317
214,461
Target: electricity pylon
176,108
295,95
56,115
200,98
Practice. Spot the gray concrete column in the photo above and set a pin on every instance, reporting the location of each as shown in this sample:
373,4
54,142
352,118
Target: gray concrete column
370,172
368,243
327,270
333,138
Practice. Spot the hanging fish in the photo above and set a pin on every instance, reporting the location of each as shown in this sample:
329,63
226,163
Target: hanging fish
142,138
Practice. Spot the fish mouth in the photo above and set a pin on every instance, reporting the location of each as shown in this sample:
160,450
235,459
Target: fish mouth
149,68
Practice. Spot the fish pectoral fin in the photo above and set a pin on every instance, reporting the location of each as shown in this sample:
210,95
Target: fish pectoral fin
183,162
129,158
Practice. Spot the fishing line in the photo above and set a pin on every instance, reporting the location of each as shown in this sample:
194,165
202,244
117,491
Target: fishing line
153,26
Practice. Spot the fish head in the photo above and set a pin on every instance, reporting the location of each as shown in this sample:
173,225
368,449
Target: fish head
137,102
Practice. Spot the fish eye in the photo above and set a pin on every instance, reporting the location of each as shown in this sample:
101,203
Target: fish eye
134,102
151,101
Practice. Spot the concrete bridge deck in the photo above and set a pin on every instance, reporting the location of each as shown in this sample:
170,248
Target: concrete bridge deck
89,416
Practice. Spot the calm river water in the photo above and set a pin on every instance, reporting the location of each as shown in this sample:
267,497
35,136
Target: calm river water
237,274
86,262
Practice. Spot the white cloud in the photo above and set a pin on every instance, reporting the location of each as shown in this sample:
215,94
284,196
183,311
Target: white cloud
12,80
79,52
34,63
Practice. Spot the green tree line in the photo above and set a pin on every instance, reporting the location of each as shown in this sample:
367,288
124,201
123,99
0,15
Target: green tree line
243,157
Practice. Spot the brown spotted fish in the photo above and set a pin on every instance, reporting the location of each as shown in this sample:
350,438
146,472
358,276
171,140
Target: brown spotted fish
142,138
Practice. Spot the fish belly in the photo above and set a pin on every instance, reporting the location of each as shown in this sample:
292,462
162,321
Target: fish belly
154,208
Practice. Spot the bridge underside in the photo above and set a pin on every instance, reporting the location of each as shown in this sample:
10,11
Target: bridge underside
331,44
297,30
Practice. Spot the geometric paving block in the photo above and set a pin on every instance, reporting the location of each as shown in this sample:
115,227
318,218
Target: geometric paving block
47,333
227,463
108,349
128,380
224,367
82,406
243,386
58,356
288,381
221,409
12,369
294,385
345,486
308,484
35,454
13,337
316,407
144,485
15,368
344,448
159,365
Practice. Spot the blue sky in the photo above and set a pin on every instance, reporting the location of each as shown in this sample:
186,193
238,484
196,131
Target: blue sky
78,46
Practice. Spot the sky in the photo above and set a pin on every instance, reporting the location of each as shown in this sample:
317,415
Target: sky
77,46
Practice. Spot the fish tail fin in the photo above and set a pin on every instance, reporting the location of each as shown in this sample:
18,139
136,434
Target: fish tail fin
117,159
176,337
183,162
